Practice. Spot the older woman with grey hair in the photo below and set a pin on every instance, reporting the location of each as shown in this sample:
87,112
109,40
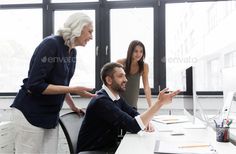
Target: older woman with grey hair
38,103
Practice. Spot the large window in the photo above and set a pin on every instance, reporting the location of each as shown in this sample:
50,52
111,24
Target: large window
85,65
128,25
176,35
199,34
18,39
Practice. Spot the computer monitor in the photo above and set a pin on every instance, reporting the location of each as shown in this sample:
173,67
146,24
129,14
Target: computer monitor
191,107
229,90
190,96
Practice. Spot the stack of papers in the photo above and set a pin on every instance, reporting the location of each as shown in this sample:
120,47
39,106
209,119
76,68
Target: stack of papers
183,147
170,119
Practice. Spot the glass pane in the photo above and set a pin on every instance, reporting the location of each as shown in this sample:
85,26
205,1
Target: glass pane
72,1
230,59
128,25
20,1
201,35
18,39
85,66
123,0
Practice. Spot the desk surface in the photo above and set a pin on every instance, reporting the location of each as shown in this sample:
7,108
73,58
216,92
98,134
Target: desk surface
144,143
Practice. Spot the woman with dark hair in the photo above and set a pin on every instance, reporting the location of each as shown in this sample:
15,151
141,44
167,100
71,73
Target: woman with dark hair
135,67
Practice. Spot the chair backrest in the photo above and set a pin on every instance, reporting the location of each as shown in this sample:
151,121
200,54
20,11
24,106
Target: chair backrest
70,124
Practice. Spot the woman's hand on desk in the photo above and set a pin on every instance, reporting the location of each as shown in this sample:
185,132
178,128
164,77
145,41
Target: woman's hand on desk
149,128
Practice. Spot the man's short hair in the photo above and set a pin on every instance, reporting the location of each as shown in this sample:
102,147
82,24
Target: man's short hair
108,70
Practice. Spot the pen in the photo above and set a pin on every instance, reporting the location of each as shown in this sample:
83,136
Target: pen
194,146
222,123
215,123
170,119
229,122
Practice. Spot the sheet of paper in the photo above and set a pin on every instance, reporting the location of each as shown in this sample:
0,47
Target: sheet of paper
184,147
170,119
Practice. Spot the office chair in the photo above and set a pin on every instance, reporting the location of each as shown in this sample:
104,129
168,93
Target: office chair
70,124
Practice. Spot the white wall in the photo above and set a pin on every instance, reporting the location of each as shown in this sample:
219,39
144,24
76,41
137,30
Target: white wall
211,104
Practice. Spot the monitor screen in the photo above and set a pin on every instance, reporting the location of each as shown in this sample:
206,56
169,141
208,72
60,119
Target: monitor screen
229,81
191,96
229,91
192,108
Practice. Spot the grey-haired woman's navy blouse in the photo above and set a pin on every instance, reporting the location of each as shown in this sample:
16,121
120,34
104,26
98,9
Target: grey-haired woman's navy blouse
51,63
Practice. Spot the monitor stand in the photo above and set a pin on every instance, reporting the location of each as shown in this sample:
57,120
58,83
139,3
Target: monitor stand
227,105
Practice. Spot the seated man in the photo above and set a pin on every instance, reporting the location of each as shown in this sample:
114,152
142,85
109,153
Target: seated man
107,112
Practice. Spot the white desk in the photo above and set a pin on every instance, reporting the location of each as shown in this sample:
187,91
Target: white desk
145,143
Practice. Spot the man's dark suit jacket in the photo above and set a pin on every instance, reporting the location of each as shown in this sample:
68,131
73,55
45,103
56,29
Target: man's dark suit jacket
103,117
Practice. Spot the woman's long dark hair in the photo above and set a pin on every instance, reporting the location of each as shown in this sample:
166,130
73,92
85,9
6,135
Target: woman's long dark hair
130,52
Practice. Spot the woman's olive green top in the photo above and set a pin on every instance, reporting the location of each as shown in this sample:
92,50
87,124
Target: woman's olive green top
132,89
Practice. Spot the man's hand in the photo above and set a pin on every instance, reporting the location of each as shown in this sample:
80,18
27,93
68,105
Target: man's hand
149,128
165,97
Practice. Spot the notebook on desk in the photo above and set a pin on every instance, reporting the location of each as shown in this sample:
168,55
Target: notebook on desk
171,147
170,119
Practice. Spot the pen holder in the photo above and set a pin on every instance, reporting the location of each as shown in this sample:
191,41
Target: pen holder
222,134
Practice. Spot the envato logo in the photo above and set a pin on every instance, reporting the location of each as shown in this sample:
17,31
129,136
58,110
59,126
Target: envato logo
58,59
179,60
